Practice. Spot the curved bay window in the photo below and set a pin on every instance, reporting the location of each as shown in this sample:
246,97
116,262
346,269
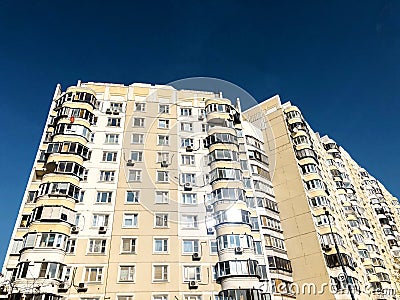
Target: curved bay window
231,241
73,129
300,154
333,261
68,167
227,194
53,213
214,107
76,97
258,156
224,138
243,294
69,148
66,112
45,240
278,263
293,114
236,268
223,154
65,189
225,174
233,215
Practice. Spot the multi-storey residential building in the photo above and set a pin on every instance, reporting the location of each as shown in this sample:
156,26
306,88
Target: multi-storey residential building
147,192
340,224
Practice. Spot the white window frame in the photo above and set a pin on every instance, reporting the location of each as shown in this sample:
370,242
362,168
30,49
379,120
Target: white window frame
136,156
97,244
165,110
164,219
164,245
135,220
187,270
107,196
140,137
107,175
195,246
140,106
133,248
163,175
163,123
136,196
190,224
99,275
164,138
161,195
111,138
165,273
135,175
131,275
138,122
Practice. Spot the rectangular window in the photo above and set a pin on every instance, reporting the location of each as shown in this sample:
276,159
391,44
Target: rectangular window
162,156
160,273
128,245
258,247
140,107
31,196
137,138
254,223
204,127
163,123
187,142
111,138
187,127
163,109
189,222
91,137
99,220
81,196
137,156
114,122
138,122
104,197
190,246
161,220
107,175
70,246
127,273
188,178
194,297
189,198
130,221
186,111
97,246
213,247
132,196
116,107
162,197
135,175
162,176
160,245
160,297
163,140
187,160
191,273
121,297
109,156
94,274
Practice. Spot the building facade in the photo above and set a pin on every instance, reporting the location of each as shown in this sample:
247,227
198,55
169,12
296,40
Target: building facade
340,223
148,192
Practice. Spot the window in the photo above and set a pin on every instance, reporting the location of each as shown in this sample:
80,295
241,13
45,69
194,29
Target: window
163,140
186,111
130,221
137,138
189,221
91,137
162,156
104,197
124,297
109,156
314,184
132,196
187,142
187,159
100,220
16,246
162,197
162,176
191,273
135,175
204,127
138,122
127,273
163,123
140,107
107,175
70,246
309,168
85,175
137,156
160,245
198,297
116,107
189,198
161,220
187,127
94,274
111,139
213,247
188,178
160,273
160,297
114,122
81,196
128,245
257,247
163,109
97,246
190,246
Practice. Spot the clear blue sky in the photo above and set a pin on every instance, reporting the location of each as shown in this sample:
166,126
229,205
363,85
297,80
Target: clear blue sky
337,60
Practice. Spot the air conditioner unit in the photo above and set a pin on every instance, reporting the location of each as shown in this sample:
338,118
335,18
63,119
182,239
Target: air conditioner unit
326,247
193,285
196,256
188,186
209,207
108,111
74,229
82,287
102,229
189,149
3,290
62,287
164,164
130,163
116,112
201,117
239,250
210,231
